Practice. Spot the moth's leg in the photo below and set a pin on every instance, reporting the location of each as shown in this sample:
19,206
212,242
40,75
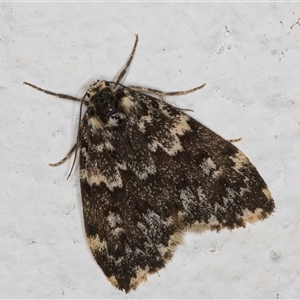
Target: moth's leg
162,94
63,96
65,158
235,140
179,93
128,62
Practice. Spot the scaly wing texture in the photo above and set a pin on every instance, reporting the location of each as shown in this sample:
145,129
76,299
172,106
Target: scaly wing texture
161,173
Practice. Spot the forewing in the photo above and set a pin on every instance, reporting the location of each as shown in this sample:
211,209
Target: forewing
215,184
161,173
129,234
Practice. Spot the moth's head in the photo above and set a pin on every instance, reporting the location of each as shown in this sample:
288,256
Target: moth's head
105,105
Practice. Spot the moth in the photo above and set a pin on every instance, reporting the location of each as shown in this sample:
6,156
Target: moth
149,172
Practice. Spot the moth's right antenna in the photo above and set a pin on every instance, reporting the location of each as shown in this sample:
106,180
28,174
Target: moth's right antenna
128,62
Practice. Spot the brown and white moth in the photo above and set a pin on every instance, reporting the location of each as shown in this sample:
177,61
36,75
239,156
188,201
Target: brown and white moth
149,172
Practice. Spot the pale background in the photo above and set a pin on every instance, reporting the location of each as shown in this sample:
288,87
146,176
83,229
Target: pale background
249,56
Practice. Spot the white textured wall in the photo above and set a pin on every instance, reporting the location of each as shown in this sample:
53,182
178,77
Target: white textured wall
249,56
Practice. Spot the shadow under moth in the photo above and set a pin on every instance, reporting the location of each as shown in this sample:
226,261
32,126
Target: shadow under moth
149,172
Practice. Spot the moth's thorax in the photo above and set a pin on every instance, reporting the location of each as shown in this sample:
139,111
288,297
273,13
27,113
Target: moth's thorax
108,105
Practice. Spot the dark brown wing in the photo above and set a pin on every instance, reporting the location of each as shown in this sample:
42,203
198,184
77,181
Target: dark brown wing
158,174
